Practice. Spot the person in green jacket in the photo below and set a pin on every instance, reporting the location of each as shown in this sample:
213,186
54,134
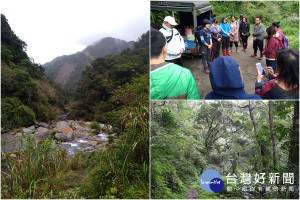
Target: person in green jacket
168,80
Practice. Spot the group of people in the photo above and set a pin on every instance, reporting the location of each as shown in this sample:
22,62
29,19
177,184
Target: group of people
169,79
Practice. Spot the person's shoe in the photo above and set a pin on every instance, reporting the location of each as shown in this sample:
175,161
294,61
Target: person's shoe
227,52
206,71
224,53
230,50
261,56
237,49
254,54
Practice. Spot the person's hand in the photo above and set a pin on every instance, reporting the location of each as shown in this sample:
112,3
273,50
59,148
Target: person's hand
243,34
181,51
219,39
209,46
254,38
259,77
228,35
271,72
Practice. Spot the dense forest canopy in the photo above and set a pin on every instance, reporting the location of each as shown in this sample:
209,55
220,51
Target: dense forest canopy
231,137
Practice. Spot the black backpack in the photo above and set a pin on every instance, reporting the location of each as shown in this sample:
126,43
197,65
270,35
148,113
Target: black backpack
197,33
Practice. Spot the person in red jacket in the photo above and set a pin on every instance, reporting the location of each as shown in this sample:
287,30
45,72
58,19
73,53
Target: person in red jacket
278,30
274,43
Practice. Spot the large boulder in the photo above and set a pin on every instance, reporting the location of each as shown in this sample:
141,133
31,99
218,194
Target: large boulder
43,133
81,134
29,130
61,125
70,137
60,136
67,130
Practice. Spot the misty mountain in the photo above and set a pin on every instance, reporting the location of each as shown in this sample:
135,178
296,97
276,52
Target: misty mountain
66,70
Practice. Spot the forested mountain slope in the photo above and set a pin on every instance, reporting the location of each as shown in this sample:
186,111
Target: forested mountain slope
66,70
27,94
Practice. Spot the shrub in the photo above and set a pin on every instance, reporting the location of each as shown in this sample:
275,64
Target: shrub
15,114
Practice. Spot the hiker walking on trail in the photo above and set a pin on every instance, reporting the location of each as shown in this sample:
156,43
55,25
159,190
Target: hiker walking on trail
206,45
225,36
216,35
175,43
258,33
273,44
244,32
234,28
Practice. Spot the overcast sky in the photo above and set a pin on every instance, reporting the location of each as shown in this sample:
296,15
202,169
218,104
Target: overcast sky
53,28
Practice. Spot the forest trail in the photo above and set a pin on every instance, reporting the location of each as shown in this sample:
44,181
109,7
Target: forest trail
244,59
193,193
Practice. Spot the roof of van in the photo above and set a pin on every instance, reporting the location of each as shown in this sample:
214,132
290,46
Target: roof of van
183,6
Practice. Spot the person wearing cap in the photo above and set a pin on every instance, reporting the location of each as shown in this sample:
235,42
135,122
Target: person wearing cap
168,80
206,45
175,43
227,81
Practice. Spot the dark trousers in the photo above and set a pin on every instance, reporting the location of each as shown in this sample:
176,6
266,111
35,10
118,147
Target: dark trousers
235,44
271,63
225,42
216,49
205,56
177,61
258,44
245,41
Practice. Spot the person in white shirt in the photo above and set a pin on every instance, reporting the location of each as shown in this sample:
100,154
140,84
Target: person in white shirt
175,43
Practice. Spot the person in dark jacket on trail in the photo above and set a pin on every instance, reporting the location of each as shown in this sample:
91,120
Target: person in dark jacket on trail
244,32
285,84
206,45
240,21
168,80
273,44
258,33
216,34
226,80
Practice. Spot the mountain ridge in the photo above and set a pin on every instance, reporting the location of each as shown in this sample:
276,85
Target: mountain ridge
67,69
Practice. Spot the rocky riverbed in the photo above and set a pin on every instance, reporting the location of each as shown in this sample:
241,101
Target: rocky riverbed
69,134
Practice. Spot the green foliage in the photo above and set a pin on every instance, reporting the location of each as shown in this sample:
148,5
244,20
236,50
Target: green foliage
24,171
96,126
25,82
15,114
121,169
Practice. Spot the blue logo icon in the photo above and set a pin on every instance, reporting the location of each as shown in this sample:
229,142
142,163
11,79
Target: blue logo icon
211,181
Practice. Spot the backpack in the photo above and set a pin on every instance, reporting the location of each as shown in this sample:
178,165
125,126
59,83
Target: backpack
285,41
197,33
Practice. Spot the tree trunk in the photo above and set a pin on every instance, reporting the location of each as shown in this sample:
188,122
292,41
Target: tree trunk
263,149
294,141
273,134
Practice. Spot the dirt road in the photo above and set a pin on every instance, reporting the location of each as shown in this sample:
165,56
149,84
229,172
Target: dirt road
246,62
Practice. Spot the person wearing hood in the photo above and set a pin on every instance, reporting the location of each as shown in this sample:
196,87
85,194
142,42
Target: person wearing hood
272,46
226,80
168,80
258,34
225,36
175,43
